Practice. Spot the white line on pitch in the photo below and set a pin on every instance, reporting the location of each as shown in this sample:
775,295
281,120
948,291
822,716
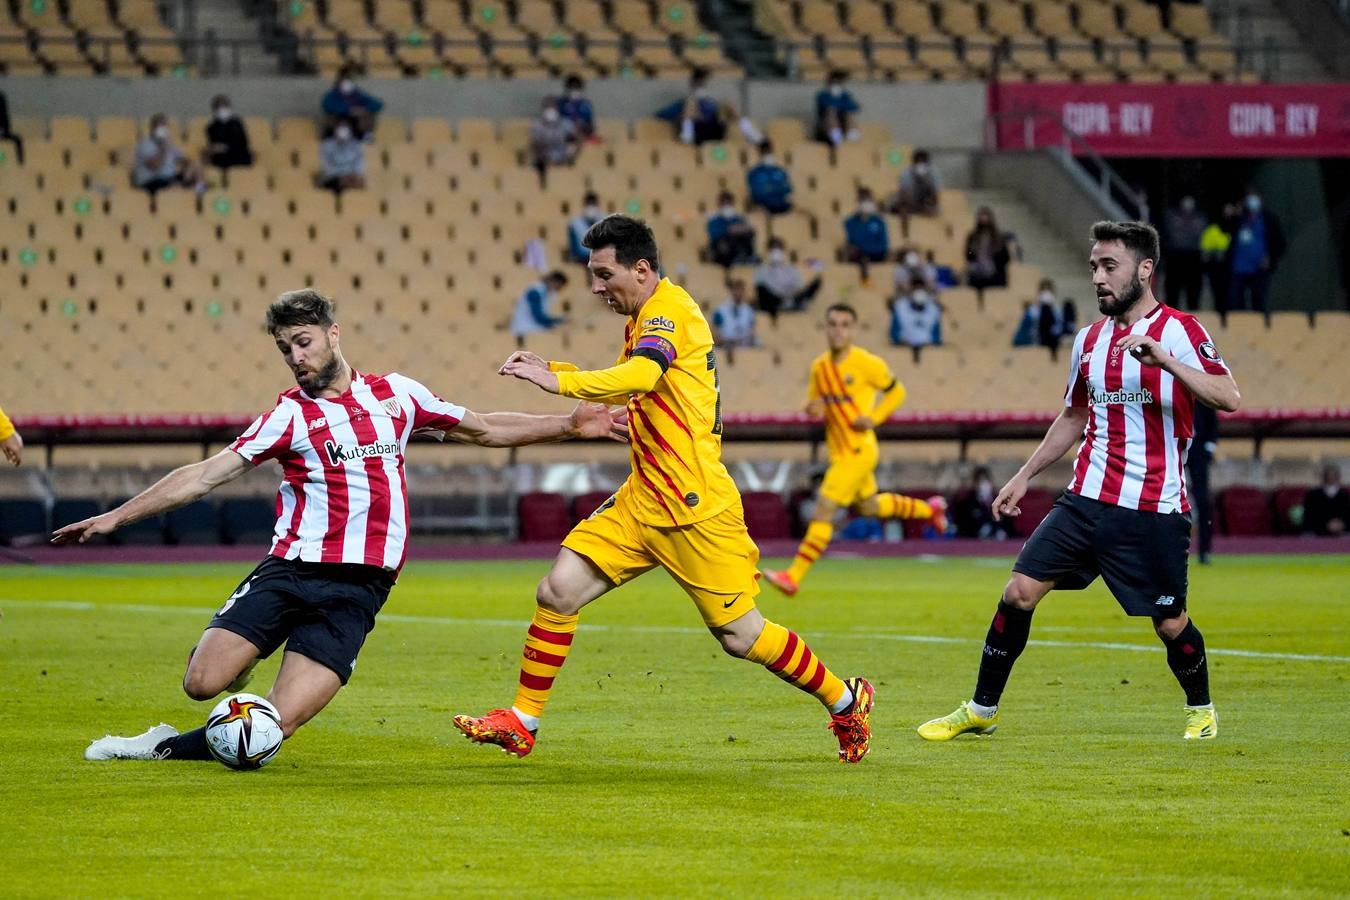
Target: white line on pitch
861,634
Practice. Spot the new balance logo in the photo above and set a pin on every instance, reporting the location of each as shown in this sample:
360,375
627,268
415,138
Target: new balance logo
1164,600
318,423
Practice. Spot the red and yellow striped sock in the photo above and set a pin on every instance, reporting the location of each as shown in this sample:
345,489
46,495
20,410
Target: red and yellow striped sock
546,645
813,546
898,506
787,656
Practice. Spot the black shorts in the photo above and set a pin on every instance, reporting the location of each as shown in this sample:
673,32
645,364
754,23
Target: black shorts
320,610
1141,556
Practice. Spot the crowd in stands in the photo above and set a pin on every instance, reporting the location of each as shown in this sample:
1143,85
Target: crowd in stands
1237,252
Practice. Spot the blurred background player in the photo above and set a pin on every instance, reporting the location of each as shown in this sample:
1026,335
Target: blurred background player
1134,379
340,437
11,442
678,509
853,391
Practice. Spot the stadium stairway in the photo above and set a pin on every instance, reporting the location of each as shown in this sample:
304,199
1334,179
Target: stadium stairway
1063,262
1260,21
226,20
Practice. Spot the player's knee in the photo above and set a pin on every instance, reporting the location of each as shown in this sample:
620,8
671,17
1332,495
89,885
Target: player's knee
1168,629
1022,593
198,685
735,644
552,597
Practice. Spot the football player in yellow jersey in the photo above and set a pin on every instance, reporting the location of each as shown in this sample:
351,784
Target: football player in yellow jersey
854,391
11,444
678,509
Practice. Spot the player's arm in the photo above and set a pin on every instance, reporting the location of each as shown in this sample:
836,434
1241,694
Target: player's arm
815,402
888,401
513,429
1216,389
1064,432
636,375
179,488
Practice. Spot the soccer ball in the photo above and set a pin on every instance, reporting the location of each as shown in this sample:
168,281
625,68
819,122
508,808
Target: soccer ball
244,731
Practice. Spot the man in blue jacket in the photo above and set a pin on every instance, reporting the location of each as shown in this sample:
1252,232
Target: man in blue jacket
769,184
866,239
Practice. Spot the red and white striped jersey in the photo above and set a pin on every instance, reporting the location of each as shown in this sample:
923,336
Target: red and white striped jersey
1140,424
343,496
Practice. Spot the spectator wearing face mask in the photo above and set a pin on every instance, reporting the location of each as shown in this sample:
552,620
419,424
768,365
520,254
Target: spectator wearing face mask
226,140
731,240
836,111
1182,229
342,160
700,117
733,322
533,310
1258,244
916,321
779,284
346,101
914,271
987,254
553,139
972,510
1216,244
580,224
919,190
1041,324
160,163
1326,509
574,106
768,182
866,239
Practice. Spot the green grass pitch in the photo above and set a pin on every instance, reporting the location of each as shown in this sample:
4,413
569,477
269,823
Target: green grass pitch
665,768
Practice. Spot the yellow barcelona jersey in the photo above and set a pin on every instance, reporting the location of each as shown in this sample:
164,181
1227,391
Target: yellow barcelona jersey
675,427
849,388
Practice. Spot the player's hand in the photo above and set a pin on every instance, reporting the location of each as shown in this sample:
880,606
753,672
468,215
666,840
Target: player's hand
1143,348
863,423
619,431
12,447
1005,504
530,367
591,420
815,408
79,532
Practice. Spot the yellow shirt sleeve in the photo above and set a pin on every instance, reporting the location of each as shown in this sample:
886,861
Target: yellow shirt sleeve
636,376
6,427
892,392
556,366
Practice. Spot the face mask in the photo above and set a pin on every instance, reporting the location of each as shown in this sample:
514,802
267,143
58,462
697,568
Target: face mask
592,212
867,207
161,132
728,211
701,93
1254,204
912,259
1187,205
777,255
346,86
224,114
1047,297
837,90
343,134
921,168
767,159
920,299
574,94
550,115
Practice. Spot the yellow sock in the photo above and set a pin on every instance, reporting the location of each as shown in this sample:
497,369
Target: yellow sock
817,538
546,645
786,655
898,506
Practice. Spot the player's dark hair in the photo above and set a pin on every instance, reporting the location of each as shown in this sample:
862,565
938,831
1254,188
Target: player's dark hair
632,240
303,307
843,308
1140,238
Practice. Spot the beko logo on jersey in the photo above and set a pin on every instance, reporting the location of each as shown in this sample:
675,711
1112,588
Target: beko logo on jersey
658,323
337,453
1116,398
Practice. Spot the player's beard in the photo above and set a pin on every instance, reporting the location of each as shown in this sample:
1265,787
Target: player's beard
1119,305
315,383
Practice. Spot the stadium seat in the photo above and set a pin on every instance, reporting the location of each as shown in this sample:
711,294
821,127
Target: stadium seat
1287,509
542,516
195,523
766,517
585,504
22,521
148,531
1244,511
247,520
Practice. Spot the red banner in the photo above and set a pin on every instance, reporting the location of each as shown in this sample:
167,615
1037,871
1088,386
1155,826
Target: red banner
1175,119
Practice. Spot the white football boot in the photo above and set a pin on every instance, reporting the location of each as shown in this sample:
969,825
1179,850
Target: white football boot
142,746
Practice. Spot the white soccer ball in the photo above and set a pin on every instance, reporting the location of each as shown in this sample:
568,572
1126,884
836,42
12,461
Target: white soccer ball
244,731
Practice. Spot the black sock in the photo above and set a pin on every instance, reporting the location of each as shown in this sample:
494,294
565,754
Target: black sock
1186,658
1002,645
191,745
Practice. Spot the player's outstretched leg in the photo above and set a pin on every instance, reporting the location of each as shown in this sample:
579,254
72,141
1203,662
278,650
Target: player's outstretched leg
1186,658
1004,642
898,506
786,655
818,536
